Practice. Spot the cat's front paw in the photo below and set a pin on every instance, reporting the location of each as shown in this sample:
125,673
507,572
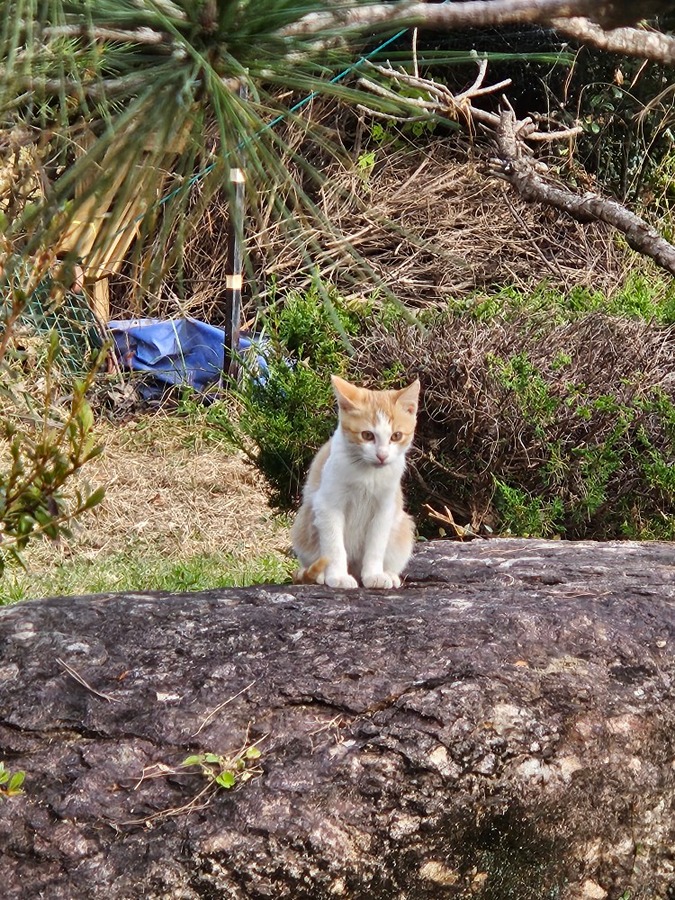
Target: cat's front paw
344,581
381,580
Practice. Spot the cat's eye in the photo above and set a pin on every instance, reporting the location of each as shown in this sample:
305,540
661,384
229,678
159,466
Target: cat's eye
367,435
396,436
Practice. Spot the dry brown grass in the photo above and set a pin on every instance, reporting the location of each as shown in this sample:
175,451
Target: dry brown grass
169,495
430,223
433,225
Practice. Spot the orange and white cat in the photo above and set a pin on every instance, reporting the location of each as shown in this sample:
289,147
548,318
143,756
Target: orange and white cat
351,526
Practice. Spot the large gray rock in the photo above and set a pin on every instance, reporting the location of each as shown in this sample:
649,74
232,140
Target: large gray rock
502,728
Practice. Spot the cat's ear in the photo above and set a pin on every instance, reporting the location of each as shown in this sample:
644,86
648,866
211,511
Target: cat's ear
408,397
348,395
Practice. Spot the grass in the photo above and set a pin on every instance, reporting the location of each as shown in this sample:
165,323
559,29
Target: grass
128,571
182,511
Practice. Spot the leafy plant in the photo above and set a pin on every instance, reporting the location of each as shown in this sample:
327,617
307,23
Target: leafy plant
628,119
641,297
45,428
284,418
525,515
540,424
11,783
227,771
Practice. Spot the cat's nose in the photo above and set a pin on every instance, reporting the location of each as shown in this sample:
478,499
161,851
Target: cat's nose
382,455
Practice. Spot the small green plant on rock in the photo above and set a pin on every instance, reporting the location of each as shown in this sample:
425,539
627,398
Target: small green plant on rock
226,771
219,771
11,783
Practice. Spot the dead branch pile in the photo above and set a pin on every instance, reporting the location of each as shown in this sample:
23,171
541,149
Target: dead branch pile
577,417
431,224
433,227
516,162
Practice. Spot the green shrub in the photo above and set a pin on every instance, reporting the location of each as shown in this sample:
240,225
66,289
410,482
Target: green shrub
651,299
284,419
541,415
539,418
45,426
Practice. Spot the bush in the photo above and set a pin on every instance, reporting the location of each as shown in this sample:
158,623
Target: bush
538,422
283,420
45,427
541,415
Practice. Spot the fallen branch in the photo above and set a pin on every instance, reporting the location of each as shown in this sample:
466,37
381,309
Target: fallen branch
516,165
516,162
454,106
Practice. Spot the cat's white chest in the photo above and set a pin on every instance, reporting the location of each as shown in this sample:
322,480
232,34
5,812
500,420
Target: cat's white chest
350,483
360,492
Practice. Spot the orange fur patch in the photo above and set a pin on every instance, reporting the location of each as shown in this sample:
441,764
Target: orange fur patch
310,574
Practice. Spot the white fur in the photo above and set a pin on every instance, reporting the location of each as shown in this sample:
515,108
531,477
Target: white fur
356,508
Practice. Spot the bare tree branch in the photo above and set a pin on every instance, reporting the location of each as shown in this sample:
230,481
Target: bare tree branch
475,13
454,106
639,42
521,171
516,162
574,18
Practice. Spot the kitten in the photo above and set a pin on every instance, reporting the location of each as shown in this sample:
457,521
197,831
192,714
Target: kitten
352,524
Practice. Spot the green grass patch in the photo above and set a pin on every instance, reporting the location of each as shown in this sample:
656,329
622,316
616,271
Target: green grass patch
649,298
126,571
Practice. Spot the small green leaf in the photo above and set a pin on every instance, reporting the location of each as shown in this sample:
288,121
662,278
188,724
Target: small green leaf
226,779
95,497
212,758
253,753
15,782
192,761
85,416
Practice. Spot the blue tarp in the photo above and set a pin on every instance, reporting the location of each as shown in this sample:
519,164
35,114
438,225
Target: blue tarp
180,351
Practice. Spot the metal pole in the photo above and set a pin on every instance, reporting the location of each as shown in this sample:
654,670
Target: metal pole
235,258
